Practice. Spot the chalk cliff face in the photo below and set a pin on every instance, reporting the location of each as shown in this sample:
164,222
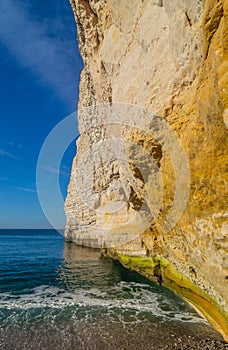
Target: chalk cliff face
155,76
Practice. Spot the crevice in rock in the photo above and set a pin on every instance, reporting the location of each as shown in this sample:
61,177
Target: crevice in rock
107,91
90,87
188,19
89,12
210,24
192,271
135,200
136,172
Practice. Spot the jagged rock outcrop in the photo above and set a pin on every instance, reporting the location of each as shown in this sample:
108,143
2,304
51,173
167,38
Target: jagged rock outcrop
155,76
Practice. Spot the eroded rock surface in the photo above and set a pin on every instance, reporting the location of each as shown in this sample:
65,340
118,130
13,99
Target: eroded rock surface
147,62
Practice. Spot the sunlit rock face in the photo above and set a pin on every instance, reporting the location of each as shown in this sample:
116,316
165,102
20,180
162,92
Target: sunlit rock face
150,175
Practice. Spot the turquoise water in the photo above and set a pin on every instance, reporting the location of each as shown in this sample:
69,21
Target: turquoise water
55,295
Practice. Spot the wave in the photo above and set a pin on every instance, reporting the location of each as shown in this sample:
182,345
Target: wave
136,300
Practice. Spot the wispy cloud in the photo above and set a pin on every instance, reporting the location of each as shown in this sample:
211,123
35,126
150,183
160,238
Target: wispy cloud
23,189
65,171
48,57
10,143
4,178
5,153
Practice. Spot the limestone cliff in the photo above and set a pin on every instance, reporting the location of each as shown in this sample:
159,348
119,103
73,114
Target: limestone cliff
155,76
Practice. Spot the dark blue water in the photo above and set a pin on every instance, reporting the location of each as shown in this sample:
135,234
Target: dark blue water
55,295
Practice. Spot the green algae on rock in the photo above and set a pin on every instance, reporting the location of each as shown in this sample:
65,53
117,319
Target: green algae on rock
160,270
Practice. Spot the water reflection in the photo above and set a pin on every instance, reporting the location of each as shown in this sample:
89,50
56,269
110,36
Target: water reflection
86,268
102,282
74,253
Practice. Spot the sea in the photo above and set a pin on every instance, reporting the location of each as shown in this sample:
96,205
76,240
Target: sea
56,295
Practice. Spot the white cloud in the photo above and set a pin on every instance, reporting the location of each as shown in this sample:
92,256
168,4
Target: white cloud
65,171
23,189
46,56
4,153
4,178
10,143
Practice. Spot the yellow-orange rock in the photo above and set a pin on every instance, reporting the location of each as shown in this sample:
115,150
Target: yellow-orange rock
167,59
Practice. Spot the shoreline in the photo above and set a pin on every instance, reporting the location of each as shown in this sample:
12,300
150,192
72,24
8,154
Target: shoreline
113,336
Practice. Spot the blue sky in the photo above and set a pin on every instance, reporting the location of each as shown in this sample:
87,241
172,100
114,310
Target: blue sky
39,72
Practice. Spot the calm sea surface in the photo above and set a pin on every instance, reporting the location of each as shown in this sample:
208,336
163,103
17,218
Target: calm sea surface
55,295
